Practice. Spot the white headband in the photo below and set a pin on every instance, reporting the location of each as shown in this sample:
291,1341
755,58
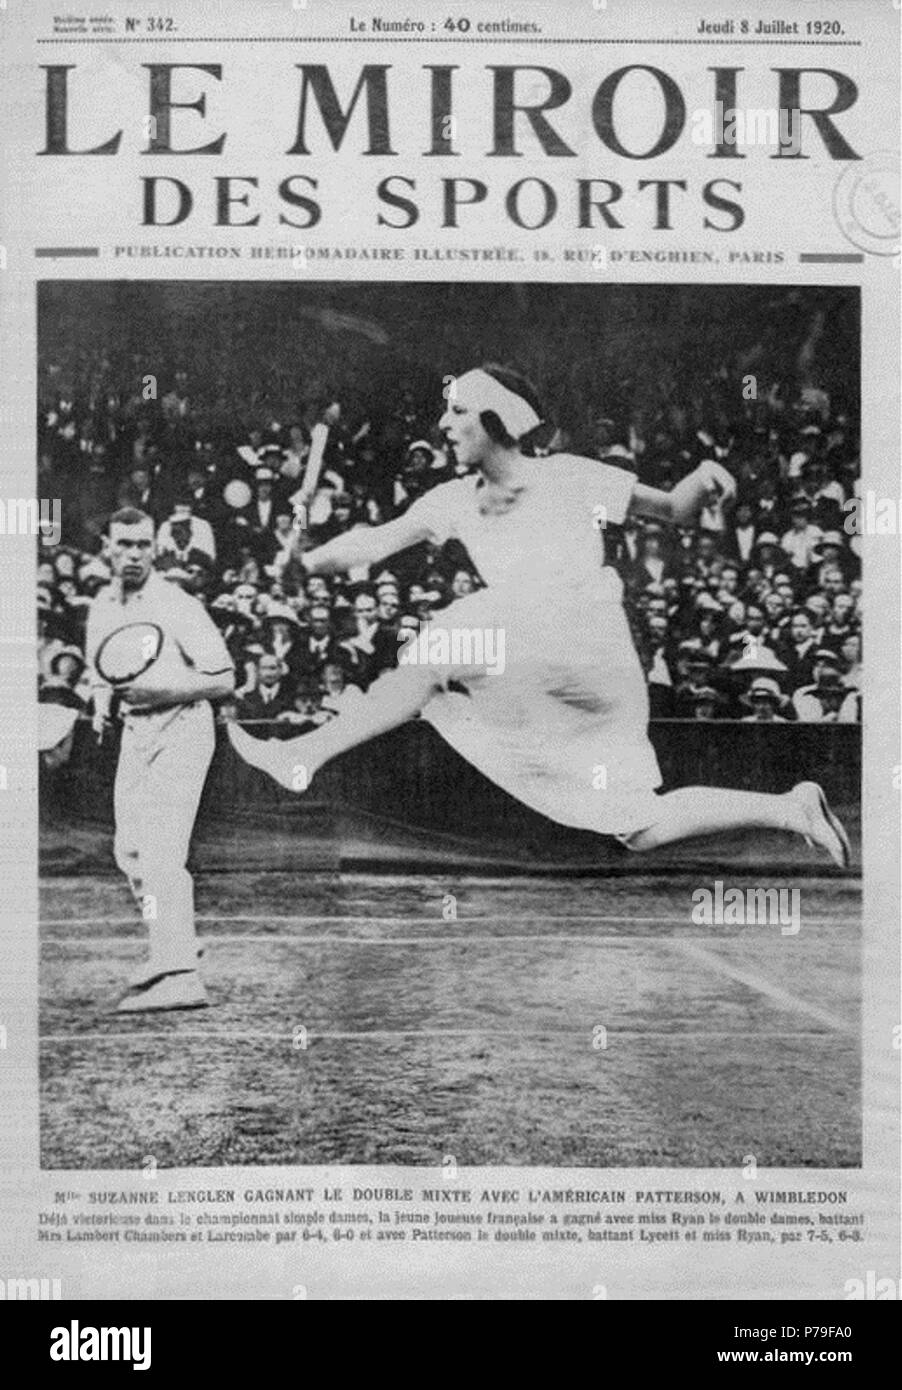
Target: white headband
482,392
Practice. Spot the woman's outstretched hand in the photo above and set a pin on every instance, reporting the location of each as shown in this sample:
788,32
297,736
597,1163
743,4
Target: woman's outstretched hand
718,480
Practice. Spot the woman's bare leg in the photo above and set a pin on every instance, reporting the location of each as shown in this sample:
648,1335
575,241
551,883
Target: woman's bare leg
394,698
399,695
691,811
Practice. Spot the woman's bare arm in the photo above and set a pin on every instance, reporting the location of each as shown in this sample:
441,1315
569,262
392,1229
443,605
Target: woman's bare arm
681,506
365,545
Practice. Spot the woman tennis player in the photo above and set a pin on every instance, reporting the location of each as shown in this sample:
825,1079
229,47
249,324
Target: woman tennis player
564,728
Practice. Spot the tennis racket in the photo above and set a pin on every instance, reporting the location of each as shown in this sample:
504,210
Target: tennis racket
128,651
302,501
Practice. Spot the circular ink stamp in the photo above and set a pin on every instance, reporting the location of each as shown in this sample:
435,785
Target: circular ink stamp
866,204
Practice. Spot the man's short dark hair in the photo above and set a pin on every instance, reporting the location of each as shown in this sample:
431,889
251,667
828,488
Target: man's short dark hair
129,516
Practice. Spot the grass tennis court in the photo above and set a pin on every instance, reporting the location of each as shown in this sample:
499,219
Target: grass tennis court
475,1037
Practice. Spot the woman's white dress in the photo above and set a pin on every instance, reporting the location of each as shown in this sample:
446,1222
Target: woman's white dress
564,727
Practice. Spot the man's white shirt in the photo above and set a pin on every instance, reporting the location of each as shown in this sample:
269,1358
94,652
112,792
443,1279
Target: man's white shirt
190,637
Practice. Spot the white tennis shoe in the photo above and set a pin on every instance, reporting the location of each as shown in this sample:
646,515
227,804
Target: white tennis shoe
821,826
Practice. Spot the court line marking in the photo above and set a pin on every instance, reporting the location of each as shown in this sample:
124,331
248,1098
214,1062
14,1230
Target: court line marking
377,1034
779,996
275,919
649,882
112,943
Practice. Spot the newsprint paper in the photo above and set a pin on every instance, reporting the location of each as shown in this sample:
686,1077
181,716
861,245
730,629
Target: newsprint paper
450,761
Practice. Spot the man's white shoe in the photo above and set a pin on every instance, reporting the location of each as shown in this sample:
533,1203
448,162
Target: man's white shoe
822,827
184,990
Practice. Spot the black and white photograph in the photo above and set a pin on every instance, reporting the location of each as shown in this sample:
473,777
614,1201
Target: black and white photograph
450,686
450,697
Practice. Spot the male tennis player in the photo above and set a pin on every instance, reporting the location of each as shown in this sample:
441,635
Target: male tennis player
155,646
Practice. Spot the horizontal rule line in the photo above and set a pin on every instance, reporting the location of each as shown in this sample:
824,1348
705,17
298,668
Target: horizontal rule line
530,39
374,1034
298,919
831,257
55,252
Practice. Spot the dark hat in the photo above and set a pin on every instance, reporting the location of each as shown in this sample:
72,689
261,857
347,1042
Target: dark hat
765,688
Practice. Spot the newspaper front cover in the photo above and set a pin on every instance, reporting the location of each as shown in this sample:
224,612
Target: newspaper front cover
450,546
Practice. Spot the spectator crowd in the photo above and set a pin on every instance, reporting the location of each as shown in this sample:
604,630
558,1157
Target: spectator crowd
753,614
